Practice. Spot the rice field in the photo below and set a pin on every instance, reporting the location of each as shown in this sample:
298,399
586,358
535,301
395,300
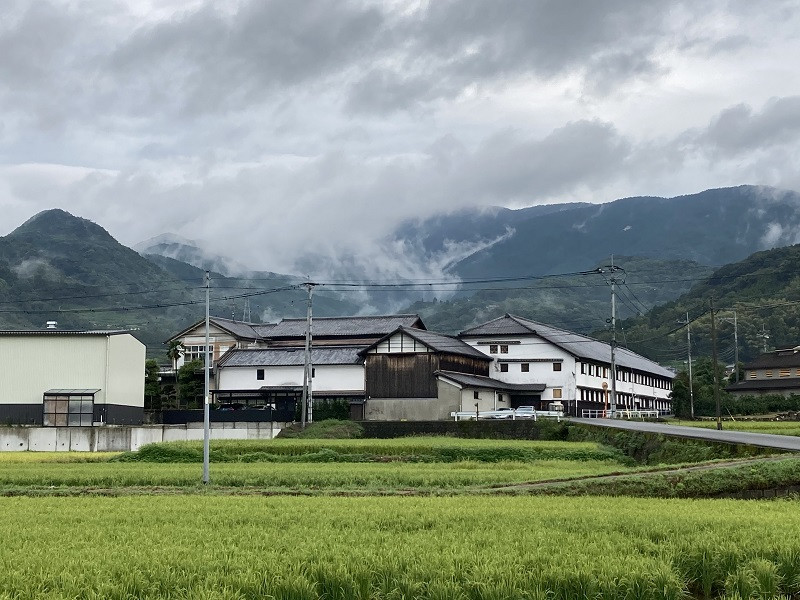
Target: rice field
313,466
390,548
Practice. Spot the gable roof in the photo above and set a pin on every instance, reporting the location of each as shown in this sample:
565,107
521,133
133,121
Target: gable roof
290,357
438,342
481,381
240,329
579,346
369,326
789,357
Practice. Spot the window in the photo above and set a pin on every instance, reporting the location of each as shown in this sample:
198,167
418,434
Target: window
260,374
68,410
476,395
504,367
583,368
591,369
313,372
768,373
196,353
492,348
525,367
556,366
752,374
605,372
504,349
785,372
557,393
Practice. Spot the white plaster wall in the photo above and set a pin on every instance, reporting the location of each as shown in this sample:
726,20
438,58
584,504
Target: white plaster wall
327,378
487,400
125,377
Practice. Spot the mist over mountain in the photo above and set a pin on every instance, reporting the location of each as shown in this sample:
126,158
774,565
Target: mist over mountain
60,267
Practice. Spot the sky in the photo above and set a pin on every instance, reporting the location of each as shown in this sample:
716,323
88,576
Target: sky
275,129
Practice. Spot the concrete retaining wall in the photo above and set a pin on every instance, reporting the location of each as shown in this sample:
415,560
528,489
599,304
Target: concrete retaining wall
112,438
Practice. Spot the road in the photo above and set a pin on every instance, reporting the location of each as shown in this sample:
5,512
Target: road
765,440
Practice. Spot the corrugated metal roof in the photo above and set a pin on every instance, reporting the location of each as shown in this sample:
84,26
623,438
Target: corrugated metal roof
776,359
479,381
11,332
578,345
444,343
373,326
289,357
71,392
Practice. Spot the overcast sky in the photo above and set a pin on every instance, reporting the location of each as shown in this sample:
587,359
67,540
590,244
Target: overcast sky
275,127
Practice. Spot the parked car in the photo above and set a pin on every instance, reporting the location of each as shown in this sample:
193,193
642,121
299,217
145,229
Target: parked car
502,413
525,412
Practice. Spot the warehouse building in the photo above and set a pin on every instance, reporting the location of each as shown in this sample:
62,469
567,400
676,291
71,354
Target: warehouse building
56,378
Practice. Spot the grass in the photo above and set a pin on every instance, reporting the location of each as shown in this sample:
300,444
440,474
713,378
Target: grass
464,548
774,427
409,449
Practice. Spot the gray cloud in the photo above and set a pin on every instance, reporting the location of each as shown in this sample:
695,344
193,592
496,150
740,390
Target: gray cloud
739,129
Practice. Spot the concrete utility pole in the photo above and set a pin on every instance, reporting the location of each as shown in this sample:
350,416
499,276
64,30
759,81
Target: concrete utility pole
307,409
714,364
206,392
735,343
764,335
687,322
613,281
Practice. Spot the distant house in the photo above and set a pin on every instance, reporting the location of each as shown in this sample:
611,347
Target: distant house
262,364
55,377
403,375
568,367
776,372
274,376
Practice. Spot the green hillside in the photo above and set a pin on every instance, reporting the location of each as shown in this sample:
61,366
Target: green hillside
60,267
763,289
580,303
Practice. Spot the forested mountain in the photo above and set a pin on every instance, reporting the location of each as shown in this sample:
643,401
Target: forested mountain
580,303
60,267
763,289
714,227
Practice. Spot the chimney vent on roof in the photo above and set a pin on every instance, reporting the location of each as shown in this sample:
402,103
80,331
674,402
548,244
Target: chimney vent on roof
51,325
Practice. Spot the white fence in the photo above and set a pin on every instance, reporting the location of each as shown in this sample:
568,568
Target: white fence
620,414
115,438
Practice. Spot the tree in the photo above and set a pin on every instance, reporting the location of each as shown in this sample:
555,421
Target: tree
174,351
152,385
191,384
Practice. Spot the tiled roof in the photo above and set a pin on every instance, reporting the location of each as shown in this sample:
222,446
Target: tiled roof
479,381
443,343
789,357
288,357
239,329
784,383
580,346
372,326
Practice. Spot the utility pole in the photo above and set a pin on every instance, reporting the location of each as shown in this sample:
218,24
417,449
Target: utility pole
307,409
764,335
714,364
613,340
206,392
735,343
689,352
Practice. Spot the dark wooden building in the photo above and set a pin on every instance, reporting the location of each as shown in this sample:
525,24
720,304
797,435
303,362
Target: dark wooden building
400,374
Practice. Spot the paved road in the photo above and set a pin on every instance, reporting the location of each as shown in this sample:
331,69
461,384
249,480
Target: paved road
766,440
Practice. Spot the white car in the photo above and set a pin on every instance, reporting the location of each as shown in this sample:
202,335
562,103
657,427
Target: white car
525,412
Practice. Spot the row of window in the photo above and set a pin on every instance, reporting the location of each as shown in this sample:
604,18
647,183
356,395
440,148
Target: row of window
526,367
781,373
493,348
623,399
627,375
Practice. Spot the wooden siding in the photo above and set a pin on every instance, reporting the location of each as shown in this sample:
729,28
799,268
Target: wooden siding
412,375
401,375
